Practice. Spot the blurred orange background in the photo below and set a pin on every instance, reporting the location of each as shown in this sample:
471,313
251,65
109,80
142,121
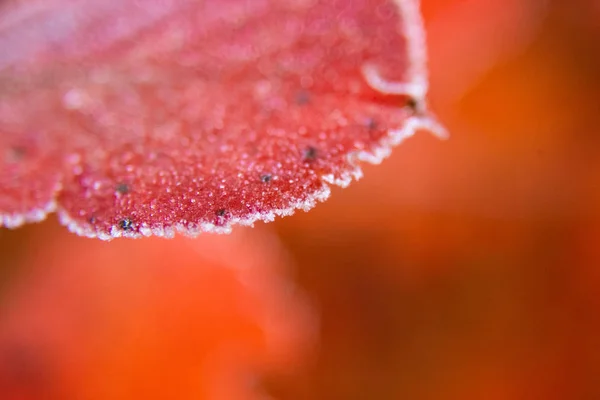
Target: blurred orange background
459,269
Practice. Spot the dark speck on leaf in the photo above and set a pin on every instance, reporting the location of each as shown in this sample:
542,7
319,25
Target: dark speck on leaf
412,103
15,154
310,154
221,212
372,124
266,178
92,219
302,98
122,188
126,224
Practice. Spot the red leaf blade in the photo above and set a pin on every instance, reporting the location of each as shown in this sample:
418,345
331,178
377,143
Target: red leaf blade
195,115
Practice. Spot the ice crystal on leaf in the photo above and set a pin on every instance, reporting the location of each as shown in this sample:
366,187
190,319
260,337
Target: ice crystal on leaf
133,118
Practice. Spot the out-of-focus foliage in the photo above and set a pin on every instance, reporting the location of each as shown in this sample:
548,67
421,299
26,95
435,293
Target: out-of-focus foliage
469,269
147,319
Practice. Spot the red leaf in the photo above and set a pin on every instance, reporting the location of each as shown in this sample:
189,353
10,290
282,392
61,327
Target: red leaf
149,319
135,118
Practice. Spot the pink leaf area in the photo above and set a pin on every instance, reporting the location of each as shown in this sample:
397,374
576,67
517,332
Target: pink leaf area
133,118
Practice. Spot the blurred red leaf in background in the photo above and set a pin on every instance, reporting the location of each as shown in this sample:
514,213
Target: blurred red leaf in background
148,319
